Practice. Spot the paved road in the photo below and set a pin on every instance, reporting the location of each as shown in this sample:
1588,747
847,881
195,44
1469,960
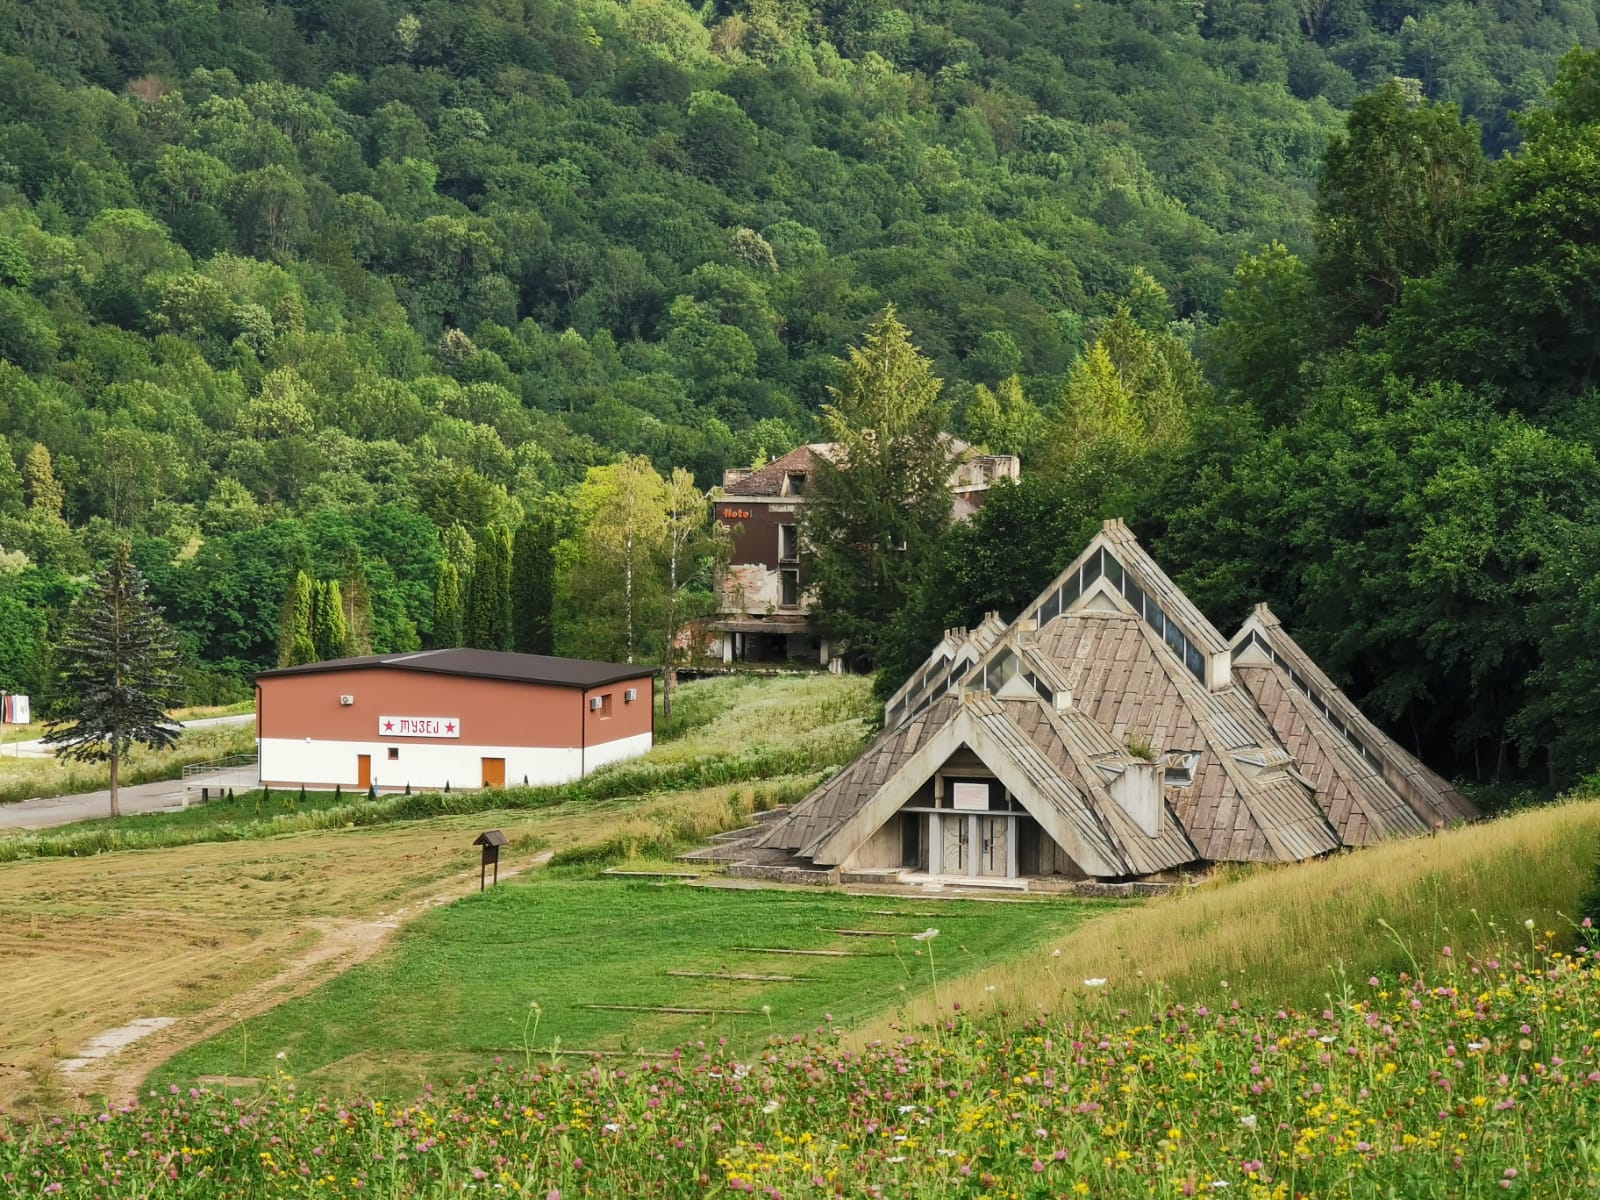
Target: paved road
37,748
140,798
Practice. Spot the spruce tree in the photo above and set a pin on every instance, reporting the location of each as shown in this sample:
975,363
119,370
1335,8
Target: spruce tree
533,586
447,607
119,673
875,511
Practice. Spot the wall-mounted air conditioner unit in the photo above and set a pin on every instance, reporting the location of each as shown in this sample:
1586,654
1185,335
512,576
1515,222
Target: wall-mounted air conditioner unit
347,701
630,695
595,703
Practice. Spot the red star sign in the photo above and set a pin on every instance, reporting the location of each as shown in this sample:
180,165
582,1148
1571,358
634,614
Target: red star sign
450,727
387,726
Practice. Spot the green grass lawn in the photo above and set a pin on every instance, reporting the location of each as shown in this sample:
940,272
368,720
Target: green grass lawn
456,988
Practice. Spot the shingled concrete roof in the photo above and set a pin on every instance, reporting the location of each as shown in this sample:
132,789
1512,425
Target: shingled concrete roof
1373,787
1113,655
1130,684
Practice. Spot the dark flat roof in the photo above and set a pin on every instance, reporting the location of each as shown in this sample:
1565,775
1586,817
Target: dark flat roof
484,664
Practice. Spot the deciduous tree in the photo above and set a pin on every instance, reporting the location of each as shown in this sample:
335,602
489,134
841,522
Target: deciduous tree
612,587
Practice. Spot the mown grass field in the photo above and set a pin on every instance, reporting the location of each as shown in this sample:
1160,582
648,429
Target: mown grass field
1463,1077
119,923
455,989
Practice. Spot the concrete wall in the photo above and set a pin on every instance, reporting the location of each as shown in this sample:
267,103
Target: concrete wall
882,849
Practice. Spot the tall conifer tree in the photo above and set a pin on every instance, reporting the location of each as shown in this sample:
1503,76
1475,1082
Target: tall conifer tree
488,607
329,633
119,673
447,607
874,513
533,586
295,647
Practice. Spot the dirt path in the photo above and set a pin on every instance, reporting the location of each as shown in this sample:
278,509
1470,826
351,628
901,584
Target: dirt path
341,944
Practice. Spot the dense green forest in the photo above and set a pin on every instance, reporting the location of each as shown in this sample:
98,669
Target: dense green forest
353,289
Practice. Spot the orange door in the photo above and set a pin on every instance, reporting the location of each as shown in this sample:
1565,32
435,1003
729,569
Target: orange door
363,770
494,772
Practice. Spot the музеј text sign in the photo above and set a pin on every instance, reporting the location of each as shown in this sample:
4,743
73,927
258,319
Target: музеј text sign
432,727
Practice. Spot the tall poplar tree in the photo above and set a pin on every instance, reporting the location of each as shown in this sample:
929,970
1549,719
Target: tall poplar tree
488,608
10,483
329,633
447,607
357,608
533,586
693,547
119,673
295,647
45,493
874,513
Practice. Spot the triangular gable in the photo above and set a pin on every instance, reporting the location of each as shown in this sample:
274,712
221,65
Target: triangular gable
1061,810
836,800
1014,669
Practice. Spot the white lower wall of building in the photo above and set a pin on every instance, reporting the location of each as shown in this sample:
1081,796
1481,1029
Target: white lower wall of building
623,748
291,762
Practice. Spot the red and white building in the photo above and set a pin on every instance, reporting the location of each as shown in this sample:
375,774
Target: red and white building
467,718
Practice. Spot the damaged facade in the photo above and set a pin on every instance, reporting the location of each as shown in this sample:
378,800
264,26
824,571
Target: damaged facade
1109,733
763,609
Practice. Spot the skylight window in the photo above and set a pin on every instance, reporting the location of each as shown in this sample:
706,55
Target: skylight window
1104,564
1181,765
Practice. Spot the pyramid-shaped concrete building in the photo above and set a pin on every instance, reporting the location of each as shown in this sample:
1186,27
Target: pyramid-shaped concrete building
1110,733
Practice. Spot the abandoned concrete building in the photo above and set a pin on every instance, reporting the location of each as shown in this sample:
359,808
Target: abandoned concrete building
1109,733
763,610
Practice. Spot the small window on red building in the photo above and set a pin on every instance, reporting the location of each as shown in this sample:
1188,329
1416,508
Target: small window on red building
394,752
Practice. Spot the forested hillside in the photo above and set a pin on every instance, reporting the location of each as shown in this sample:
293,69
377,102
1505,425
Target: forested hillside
335,286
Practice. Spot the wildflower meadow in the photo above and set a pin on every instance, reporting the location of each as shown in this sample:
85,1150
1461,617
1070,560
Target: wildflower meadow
1459,1078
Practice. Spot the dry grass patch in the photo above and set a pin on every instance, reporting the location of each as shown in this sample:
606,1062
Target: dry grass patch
1292,935
90,944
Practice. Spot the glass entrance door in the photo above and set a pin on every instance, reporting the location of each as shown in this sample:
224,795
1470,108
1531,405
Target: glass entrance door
994,846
